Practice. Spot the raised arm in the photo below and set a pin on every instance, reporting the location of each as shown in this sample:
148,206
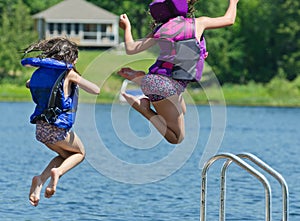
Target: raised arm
227,19
132,46
83,83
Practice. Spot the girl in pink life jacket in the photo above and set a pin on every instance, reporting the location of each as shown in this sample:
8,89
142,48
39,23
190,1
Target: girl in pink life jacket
171,73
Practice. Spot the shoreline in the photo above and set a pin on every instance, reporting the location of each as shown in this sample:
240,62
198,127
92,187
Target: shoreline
214,103
255,95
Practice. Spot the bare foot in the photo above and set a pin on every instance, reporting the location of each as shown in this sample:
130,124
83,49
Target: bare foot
51,188
130,74
142,105
35,190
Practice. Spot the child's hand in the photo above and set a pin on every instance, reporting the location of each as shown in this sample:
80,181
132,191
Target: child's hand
124,22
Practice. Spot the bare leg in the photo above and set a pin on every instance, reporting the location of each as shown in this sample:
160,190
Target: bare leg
168,118
76,153
51,188
56,173
183,106
171,117
38,181
132,75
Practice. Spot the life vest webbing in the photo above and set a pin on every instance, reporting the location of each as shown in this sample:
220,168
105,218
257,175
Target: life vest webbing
50,114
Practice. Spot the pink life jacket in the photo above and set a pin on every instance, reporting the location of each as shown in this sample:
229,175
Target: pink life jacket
182,55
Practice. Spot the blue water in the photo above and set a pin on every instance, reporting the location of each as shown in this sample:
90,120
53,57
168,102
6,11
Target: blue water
131,175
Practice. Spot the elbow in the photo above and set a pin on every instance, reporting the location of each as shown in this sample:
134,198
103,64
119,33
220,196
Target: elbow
230,21
130,51
97,91
130,48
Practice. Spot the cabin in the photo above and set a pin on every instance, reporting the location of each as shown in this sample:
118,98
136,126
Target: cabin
83,22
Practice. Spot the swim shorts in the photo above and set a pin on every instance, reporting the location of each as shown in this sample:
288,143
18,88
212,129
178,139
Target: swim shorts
158,87
48,133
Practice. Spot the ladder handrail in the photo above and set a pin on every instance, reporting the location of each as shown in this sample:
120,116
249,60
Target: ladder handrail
266,168
276,175
245,166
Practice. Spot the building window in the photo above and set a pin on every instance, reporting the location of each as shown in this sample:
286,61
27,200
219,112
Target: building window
51,28
90,32
68,28
107,35
103,28
76,28
106,28
90,27
59,28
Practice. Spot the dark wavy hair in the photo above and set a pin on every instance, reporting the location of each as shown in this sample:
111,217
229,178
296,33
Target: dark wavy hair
190,14
59,48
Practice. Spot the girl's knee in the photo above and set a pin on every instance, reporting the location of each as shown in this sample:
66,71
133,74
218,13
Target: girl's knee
175,139
83,152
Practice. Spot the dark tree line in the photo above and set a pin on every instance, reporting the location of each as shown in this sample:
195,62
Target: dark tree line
263,43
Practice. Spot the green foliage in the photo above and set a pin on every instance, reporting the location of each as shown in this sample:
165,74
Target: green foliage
262,44
258,31
281,88
278,92
13,92
15,34
136,10
38,5
288,35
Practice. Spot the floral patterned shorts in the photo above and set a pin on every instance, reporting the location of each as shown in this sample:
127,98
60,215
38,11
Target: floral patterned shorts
48,133
158,87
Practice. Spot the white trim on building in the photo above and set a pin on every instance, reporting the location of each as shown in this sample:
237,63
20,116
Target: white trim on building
95,27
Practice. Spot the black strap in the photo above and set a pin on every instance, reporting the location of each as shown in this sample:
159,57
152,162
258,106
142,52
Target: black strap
50,114
55,88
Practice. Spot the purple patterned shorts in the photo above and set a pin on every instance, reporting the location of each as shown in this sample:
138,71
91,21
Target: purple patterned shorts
48,133
158,87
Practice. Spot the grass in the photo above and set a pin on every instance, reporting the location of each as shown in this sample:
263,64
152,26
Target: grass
101,67
10,92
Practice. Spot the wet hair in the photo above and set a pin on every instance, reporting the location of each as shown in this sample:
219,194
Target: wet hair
59,48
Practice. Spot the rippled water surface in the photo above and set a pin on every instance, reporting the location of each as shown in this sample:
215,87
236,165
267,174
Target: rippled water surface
150,180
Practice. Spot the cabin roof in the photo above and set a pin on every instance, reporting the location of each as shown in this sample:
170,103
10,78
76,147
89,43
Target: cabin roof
75,10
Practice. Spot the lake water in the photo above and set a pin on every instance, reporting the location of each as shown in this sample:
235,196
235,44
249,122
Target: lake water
130,173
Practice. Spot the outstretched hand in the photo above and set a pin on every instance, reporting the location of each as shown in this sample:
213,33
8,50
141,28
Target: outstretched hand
124,22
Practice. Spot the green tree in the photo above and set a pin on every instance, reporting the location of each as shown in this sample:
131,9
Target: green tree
38,5
258,27
137,11
263,43
224,47
288,35
252,49
15,34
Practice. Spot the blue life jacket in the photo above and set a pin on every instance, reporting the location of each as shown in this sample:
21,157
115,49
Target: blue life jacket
46,87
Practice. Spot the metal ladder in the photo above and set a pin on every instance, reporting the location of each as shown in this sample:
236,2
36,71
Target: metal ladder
238,159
